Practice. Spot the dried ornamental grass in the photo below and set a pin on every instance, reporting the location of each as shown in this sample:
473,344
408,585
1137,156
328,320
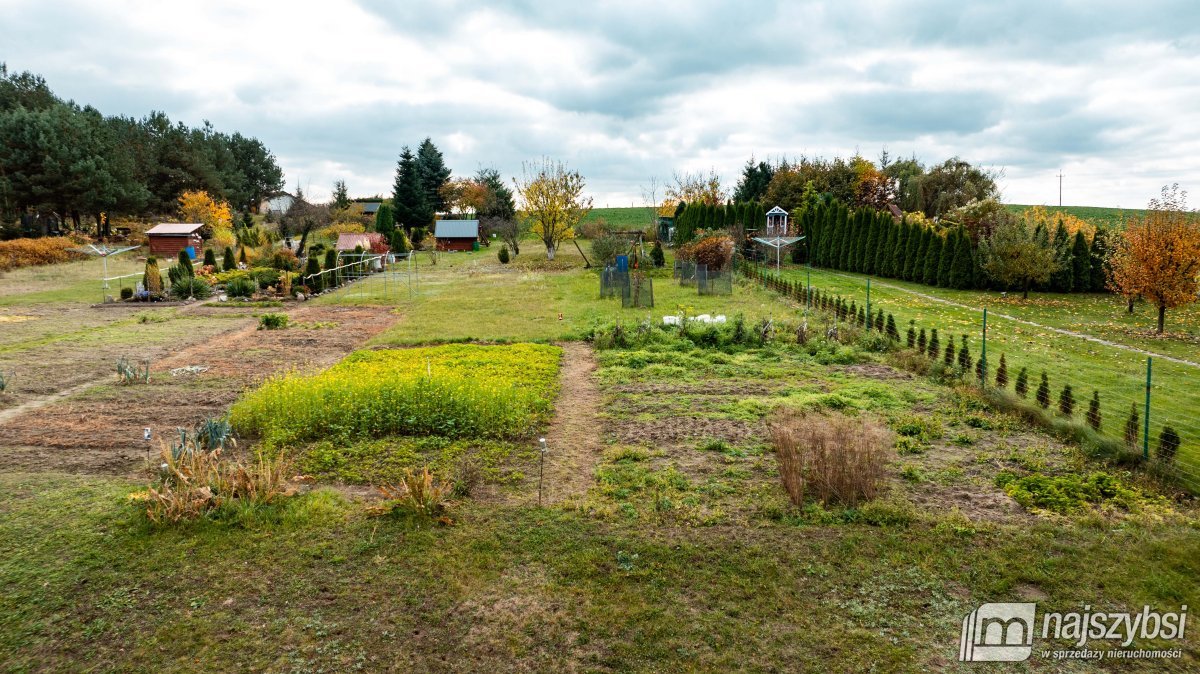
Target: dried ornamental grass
33,252
838,459
457,390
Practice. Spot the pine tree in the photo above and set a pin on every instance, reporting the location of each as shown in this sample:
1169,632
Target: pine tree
341,195
862,317
921,341
408,195
879,321
1002,373
934,346
1066,401
1133,427
242,257
399,242
228,262
979,376
1168,445
431,168
1022,386
385,221
933,259
948,356
1081,258
1043,392
210,258
910,337
657,256
892,333
964,357
1093,413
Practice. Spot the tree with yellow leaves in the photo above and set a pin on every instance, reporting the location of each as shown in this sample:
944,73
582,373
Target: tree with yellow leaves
696,188
1158,256
552,201
197,206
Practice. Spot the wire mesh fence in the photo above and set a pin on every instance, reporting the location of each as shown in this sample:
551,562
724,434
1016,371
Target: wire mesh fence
685,272
1137,402
614,282
713,282
640,291
368,277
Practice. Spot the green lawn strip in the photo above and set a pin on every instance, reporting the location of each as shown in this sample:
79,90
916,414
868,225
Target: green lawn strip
315,584
1117,373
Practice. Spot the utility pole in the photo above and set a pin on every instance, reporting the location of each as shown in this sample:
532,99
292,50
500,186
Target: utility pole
1060,177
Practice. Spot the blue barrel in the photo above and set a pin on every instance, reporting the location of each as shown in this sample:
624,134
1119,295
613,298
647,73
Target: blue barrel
622,263
191,251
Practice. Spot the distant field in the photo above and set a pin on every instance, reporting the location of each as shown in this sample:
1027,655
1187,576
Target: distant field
1097,215
629,218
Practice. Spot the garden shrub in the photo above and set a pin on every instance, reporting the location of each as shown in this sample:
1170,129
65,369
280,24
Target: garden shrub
1043,392
210,258
228,263
272,322
934,345
19,253
657,256
126,293
1168,445
1093,414
503,254
1002,373
417,495
285,259
152,277
713,251
240,287
606,248
189,287
1066,494
184,261
312,271
1066,401
266,277
1133,427
1021,388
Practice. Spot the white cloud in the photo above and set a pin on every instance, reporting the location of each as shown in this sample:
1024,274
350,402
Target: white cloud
626,91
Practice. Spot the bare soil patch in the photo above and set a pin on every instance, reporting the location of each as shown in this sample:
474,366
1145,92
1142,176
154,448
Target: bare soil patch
99,430
875,371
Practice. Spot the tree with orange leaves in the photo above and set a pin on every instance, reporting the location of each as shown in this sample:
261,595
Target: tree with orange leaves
1158,256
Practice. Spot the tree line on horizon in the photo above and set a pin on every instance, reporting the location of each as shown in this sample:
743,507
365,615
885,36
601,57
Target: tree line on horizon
74,162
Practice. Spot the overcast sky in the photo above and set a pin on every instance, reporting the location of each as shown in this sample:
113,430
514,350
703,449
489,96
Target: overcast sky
1106,92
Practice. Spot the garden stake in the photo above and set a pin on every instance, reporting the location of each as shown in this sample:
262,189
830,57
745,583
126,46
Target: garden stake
541,464
1146,430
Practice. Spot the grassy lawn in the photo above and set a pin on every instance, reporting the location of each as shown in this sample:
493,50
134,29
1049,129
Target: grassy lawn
1117,373
470,296
678,551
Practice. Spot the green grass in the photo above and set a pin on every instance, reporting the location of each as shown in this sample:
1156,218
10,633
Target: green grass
1101,216
638,217
1118,374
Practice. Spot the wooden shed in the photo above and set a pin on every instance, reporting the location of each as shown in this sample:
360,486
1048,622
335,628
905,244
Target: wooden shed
168,238
456,234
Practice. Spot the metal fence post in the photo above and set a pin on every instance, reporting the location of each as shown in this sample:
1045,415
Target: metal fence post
983,353
1146,430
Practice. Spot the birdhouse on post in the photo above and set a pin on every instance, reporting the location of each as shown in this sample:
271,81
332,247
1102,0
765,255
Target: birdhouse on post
777,222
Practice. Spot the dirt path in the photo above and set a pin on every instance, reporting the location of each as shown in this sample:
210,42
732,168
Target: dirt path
31,405
574,437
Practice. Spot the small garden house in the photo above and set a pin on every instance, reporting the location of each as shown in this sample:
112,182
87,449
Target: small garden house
456,234
168,238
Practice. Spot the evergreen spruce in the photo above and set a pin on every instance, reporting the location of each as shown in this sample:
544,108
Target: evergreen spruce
185,263
1066,401
210,258
894,334
948,356
962,269
242,257
946,261
1061,281
311,271
879,321
1022,386
1097,258
964,357
657,256
934,346
385,221
979,372
913,252
1133,427
910,337
1002,373
228,262
921,341
1093,413
1043,392
862,317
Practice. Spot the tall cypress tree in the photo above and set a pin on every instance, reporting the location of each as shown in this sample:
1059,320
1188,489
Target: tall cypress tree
872,246
837,241
962,269
848,243
949,246
900,249
912,251
1098,255
1081,261
1062,280
933,259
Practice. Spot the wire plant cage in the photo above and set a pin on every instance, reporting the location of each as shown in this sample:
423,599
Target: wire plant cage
713,282
613,283
685,271
640,291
